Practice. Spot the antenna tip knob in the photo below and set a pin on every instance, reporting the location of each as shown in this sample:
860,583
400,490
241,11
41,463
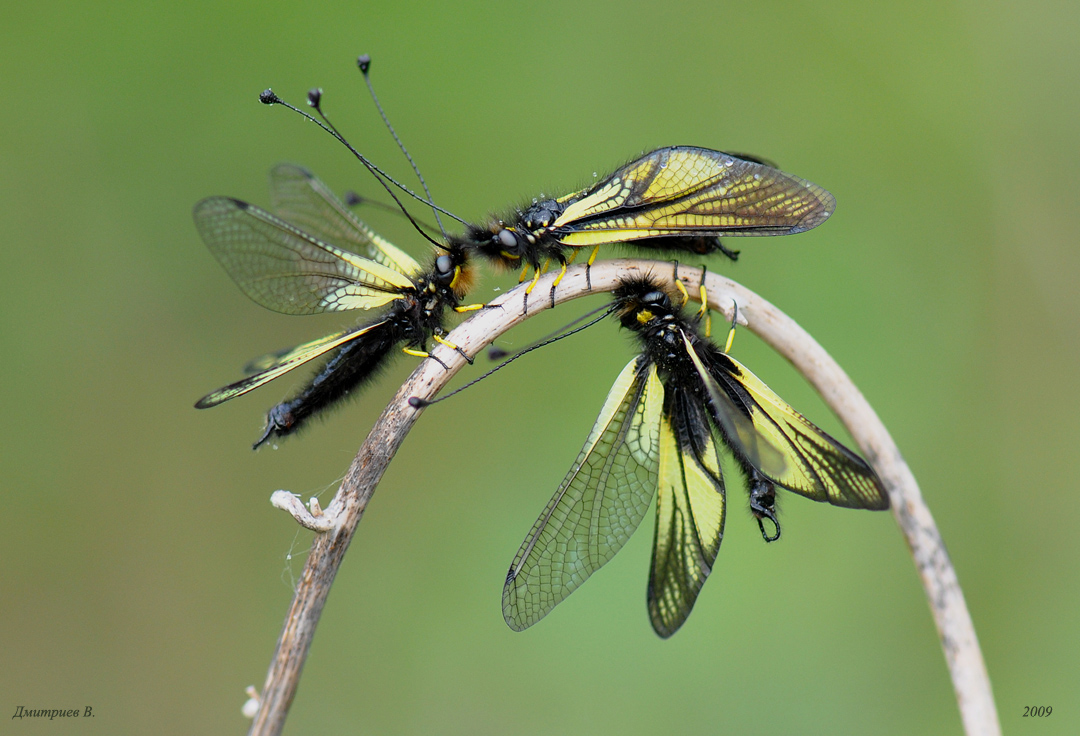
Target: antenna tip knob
364,62
314,97
267,97
353,199
417,403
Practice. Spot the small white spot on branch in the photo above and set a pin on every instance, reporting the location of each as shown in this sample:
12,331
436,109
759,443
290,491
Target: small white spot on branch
291,503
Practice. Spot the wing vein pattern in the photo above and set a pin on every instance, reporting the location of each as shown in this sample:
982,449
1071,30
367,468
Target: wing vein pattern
599,504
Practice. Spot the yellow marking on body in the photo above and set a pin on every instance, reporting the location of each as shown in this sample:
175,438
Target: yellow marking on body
644,316
682,290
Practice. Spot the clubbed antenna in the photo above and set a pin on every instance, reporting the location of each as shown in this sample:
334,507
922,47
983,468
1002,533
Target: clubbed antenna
268,97
364,62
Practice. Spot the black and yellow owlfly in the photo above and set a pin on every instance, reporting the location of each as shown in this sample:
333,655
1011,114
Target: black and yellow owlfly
679,198
661,431
304,260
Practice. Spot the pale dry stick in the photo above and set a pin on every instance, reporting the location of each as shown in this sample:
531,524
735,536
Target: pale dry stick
338,522
971,683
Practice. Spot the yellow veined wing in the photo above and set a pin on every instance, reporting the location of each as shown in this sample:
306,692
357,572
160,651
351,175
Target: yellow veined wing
599,504
690,512
634,449
689,191
273,365
816,465
302,199
759,449
287,270
679,199
779,442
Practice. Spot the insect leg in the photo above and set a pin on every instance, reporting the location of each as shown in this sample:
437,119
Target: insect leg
531,286
679,284
422,354
439,339
734,323
703,295
588,267
559,278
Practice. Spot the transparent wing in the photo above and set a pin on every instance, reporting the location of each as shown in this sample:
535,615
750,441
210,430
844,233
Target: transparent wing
265,362
284,269
761,450
598,505
299,197
683,190
271,366
690,509
815,465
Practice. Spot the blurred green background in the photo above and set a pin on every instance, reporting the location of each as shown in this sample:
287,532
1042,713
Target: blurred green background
147,576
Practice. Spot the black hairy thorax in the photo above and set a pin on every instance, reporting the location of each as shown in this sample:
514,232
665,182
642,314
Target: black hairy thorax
412,319
527,237
524,237
650,313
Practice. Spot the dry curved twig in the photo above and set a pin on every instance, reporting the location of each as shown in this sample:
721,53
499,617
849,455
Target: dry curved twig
338,522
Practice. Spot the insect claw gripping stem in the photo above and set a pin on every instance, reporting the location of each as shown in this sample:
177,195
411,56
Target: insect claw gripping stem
530,287
421,353
679,284
682,290
557,280
439,339
588,267
703,295
734,322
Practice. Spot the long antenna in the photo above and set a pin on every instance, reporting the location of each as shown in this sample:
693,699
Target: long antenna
364,62
352,199
267,97
417,403
314,98
497,353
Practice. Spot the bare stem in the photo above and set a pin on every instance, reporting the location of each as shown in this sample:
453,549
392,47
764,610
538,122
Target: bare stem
339,520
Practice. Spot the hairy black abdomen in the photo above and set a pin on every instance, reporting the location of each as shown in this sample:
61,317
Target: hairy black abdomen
351,366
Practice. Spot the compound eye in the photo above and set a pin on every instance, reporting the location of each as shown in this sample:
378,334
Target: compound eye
444,268
508,240
655,297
